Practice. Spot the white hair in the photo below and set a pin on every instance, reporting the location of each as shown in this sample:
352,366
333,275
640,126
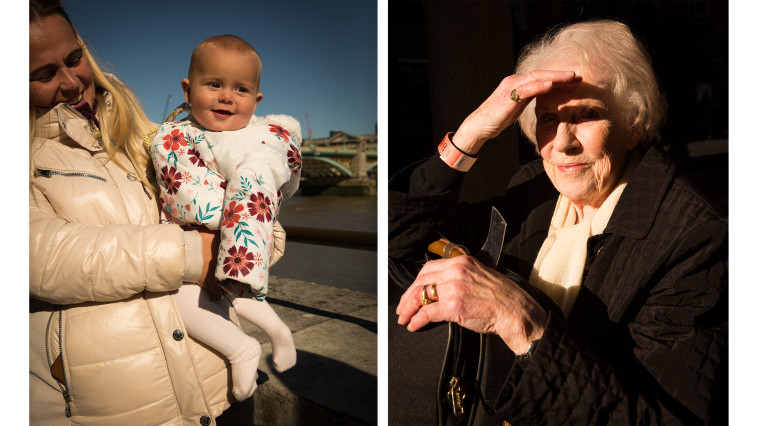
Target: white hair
607,51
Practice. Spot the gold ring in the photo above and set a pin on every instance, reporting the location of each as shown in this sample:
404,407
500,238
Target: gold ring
424,300
433,294
514,96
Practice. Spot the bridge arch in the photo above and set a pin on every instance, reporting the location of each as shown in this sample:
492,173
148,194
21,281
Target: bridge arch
343,169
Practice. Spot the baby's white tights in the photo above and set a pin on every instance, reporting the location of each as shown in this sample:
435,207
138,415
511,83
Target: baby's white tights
260,314
210,324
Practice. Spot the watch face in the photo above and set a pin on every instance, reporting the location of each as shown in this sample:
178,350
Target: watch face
529,352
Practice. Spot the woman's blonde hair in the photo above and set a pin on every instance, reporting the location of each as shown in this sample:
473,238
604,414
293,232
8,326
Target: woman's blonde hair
607,51
124,127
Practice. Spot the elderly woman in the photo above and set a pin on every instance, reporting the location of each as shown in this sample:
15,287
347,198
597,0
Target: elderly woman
632,258
106,343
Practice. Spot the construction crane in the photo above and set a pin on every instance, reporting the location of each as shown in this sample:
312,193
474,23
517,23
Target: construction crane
308,127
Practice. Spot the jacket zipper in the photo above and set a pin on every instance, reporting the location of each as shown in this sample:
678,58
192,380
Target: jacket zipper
66,395
49,173
65,385
72,109
94,130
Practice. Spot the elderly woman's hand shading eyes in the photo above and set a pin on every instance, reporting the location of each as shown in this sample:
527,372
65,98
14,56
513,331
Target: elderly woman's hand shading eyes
500,110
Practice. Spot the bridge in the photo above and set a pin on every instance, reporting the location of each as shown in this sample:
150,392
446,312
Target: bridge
342,163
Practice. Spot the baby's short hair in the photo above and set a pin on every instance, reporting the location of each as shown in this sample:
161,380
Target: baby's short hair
226,42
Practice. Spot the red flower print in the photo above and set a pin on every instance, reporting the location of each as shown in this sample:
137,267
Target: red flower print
223,184
258,260
195,157
294,159
174,140
171,179
259,207
232,214
239,261
279,131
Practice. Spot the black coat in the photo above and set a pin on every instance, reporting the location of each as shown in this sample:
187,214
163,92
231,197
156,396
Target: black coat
647,339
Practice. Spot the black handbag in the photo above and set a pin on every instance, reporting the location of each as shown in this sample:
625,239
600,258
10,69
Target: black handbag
434,374
445,374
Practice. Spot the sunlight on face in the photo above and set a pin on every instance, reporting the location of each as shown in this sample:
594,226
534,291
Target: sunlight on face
223,91
583,147
58,71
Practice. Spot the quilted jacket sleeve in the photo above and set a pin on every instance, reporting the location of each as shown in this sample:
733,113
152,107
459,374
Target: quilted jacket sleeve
79,262
422,199
669,362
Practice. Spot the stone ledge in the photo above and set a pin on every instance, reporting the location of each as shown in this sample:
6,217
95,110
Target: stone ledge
334,380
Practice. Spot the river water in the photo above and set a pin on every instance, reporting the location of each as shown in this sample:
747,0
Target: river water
333,266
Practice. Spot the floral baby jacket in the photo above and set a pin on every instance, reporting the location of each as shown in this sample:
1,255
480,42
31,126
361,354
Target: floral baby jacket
233,181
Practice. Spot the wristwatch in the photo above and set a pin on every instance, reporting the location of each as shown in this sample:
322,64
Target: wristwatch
453,156
529,352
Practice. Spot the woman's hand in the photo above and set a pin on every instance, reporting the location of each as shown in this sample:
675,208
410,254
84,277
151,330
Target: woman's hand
210,248
477,298
499,111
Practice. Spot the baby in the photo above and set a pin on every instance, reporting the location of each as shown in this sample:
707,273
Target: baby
227,169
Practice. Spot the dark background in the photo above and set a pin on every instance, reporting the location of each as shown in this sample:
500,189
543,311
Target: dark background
446,57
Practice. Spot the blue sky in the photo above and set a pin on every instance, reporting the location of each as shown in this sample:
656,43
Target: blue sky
318,57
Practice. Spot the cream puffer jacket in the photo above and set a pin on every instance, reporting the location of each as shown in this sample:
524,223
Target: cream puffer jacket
101,275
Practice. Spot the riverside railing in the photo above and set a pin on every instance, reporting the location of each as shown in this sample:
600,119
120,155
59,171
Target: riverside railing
332,237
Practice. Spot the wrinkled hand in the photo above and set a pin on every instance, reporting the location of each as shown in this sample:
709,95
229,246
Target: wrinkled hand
477,298
210,248
499,111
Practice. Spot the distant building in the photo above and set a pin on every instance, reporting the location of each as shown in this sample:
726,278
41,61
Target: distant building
341,140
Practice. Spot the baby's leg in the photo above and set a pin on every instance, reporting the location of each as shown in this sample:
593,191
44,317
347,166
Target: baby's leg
263,316
207,322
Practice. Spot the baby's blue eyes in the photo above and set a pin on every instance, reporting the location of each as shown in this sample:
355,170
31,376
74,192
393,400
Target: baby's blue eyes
217,85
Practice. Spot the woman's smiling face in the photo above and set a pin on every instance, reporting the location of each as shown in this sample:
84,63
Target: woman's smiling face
58,70
583,146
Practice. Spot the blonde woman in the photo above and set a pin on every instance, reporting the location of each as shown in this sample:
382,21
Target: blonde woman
106,342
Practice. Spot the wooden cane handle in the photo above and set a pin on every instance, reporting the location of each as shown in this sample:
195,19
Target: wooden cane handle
446,249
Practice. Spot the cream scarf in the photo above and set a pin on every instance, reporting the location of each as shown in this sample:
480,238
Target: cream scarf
558,269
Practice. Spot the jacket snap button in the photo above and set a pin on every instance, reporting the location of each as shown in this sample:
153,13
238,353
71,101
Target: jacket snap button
205,420
178,335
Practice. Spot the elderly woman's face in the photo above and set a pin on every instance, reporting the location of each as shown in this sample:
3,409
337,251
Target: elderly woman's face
58,71
583,148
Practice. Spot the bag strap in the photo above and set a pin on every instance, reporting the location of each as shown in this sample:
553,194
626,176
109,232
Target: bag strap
147,139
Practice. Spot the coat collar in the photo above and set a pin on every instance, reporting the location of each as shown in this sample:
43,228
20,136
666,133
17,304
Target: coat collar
636,210
64,124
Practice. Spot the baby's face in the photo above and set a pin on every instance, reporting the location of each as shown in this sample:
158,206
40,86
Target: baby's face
223,93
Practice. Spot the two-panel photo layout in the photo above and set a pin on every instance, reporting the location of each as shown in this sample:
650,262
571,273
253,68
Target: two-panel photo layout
404,212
